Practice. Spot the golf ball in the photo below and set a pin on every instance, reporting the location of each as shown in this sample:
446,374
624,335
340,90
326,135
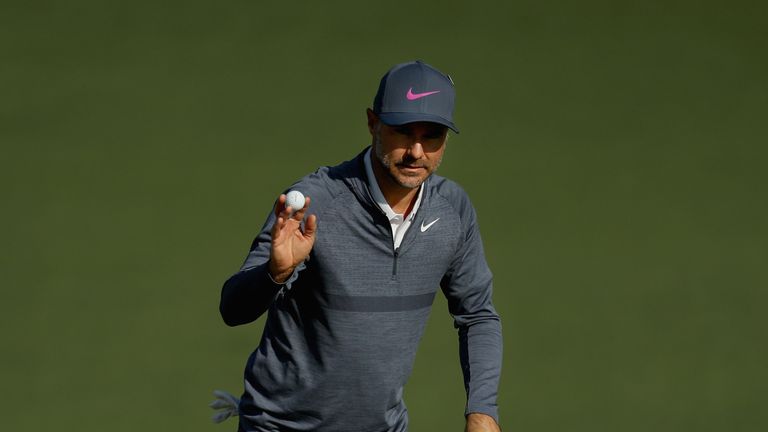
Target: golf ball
295,200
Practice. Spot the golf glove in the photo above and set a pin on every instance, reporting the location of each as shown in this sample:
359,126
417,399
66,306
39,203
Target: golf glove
226,404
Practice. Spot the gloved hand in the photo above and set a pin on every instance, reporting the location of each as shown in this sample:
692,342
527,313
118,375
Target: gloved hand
226,404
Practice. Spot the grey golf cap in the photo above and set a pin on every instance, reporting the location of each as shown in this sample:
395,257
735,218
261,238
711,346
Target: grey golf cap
415,91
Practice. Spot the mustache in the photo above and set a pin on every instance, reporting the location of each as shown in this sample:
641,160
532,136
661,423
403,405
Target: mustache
410,162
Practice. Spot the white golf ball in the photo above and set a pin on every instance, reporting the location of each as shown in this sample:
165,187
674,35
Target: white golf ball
295,200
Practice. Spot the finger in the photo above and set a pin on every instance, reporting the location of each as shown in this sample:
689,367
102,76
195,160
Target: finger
310,228
277,228
299,215
278,225
280,204
221,394
221,416
284,214
220,403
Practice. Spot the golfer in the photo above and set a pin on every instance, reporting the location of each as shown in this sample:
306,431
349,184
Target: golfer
348,281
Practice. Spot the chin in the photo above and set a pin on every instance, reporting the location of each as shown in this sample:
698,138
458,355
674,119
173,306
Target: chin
409,182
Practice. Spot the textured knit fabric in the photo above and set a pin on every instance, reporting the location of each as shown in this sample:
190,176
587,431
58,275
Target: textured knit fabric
341,334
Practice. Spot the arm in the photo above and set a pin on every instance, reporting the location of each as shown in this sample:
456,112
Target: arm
277,252
468,287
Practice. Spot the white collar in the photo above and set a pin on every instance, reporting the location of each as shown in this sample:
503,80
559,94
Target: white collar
378,196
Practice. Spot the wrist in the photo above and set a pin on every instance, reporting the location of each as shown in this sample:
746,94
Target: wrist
477,422
280,276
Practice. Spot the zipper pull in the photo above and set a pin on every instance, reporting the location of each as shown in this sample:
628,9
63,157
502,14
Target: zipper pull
394,263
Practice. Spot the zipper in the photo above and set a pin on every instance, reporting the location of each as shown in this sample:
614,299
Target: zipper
394,263
395,251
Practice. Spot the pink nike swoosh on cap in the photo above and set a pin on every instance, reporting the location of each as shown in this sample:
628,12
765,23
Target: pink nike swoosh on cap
413,96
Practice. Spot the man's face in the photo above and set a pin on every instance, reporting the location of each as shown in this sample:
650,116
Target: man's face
410,153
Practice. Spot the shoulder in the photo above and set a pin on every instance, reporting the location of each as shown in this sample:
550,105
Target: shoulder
326,183
450,192
446,192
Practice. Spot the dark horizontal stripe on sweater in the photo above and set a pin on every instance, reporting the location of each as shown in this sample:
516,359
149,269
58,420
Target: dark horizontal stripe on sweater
378,303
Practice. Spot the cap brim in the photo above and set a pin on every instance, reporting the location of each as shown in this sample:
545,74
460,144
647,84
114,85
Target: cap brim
401,118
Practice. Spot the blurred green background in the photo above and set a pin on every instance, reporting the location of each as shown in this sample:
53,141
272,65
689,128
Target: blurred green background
615,152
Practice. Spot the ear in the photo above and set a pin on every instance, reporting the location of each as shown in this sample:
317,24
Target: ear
372,120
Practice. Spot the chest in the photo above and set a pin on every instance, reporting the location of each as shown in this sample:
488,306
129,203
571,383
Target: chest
354,252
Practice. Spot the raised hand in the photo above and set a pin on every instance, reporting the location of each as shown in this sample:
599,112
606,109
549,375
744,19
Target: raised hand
290,245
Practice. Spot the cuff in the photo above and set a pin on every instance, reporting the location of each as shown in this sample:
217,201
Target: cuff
291,279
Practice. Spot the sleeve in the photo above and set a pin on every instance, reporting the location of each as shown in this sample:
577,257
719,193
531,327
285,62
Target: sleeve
249,293
468,287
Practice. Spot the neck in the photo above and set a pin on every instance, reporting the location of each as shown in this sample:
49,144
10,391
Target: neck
400,199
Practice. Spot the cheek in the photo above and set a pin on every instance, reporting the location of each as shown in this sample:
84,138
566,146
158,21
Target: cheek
436,156
396,154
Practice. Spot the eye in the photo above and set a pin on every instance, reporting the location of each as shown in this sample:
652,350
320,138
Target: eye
403,130
433,135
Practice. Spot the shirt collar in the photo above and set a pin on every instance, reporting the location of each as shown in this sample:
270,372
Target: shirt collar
378,196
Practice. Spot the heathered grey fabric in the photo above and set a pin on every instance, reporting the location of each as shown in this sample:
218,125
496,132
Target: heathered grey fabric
341,335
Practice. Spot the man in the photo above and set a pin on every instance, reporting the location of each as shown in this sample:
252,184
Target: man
348,289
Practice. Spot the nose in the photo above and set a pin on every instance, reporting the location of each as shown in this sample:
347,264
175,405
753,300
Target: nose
415,150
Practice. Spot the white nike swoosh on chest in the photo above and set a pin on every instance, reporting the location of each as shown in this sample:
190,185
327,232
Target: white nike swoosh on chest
426,227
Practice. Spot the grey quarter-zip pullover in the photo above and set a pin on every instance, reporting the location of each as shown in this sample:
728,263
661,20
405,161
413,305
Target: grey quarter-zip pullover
341,333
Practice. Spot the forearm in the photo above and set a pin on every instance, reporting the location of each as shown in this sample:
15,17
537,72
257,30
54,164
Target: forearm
480,345
247,295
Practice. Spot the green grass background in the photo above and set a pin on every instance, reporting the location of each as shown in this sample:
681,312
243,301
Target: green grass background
615,152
